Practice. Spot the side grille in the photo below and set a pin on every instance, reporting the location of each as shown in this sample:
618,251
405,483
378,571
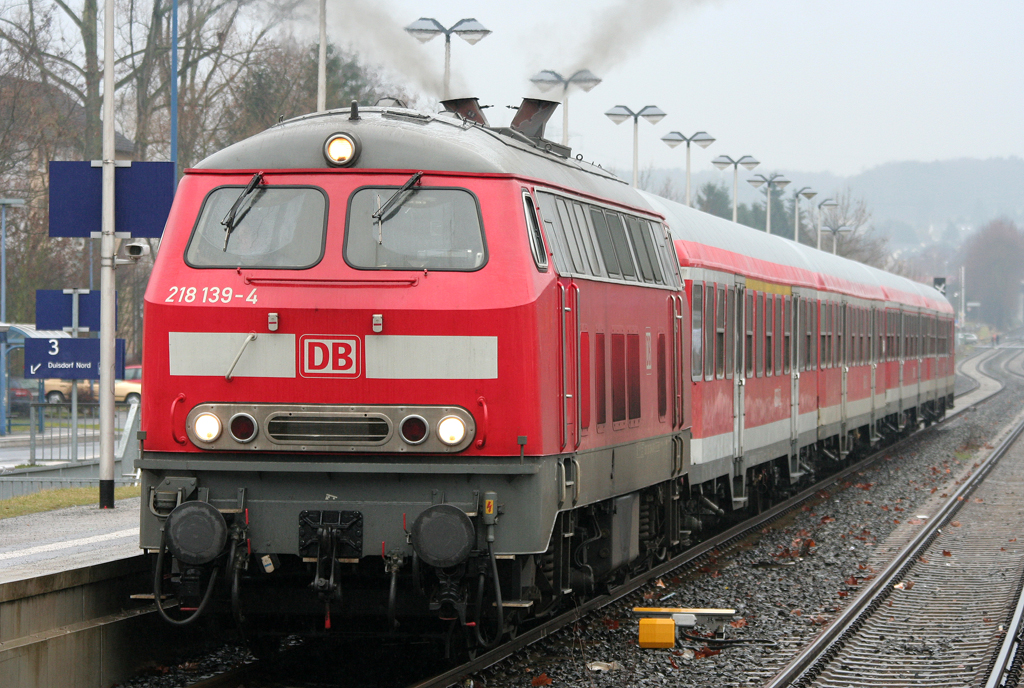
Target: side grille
328,428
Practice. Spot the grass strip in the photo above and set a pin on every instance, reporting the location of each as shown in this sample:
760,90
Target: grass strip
48,500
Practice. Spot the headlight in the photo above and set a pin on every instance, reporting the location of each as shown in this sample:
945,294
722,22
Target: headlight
207,427
341,150
451,430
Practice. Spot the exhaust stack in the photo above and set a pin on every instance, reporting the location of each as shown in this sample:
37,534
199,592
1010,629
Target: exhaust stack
466,108
533,116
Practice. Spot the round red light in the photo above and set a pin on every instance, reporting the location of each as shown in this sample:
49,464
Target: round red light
414,429
243,427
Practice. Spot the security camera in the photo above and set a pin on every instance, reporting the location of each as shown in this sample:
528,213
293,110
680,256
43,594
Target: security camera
132,252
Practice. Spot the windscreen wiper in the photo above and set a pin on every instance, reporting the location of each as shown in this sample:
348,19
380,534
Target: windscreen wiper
229,220
394,197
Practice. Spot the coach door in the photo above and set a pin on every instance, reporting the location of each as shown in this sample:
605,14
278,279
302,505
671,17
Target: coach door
743,329
844,342
873,348
793,331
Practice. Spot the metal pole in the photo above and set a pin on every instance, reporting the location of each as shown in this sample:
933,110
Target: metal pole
768,208
74,383
565,114
963,297
735,183
819,227
688,204
796,218
321,76
636,139
447,65
174,102
835,238
107,270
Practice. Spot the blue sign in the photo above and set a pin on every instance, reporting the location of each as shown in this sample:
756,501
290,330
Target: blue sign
54,309
142,198
68,358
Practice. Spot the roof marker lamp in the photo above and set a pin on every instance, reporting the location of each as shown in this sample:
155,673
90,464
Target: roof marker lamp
451,430
207,427
341,150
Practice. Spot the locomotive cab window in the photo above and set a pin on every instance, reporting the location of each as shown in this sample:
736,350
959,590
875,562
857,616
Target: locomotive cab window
540,255
420,228
259,227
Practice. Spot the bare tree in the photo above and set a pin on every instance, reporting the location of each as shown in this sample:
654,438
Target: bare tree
994,263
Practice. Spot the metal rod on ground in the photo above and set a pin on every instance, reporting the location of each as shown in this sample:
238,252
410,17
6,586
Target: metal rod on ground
107,270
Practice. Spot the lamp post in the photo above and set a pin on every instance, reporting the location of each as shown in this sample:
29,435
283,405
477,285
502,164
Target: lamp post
827,203
548,79
469,30
807,193
321,70
723,161
4,202
620,113
835,234
701,138
759,180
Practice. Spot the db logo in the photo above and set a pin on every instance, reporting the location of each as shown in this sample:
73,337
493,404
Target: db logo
324,356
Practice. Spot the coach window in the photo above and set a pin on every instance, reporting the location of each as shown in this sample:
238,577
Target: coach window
748,345
730,362
604,242
759,332
540,255
709,333
769,330
791,326
720,310
621,244
779,337
697,331
423,228
273,227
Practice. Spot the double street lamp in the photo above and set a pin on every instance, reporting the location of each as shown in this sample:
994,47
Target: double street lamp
827,203
701,138
759,180
807,193
426,28
620,113
548,79
723,161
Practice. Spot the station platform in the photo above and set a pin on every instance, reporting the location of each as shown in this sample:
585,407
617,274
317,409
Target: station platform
66,539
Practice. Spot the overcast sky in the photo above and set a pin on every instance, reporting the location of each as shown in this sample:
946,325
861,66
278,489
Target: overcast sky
836,85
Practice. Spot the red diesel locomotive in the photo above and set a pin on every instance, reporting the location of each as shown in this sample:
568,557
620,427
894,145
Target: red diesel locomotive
402,368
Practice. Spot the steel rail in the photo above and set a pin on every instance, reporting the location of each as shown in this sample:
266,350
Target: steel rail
691,556
811,659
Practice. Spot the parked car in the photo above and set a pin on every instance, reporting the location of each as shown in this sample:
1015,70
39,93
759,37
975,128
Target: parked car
130,388
59,391
968,338
21,393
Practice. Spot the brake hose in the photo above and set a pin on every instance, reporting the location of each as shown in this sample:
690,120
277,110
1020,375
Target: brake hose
158,576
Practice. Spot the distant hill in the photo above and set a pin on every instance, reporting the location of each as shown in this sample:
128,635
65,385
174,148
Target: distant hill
913,202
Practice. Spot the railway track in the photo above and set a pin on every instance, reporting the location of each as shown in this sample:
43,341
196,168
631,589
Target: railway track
692,559
946,610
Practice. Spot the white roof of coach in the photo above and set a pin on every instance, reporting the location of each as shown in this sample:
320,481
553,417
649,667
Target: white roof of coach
807,266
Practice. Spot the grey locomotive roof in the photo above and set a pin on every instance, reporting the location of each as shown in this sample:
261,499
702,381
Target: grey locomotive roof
834,272
399,139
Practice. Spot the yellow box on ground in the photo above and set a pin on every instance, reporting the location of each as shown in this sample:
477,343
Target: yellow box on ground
657,632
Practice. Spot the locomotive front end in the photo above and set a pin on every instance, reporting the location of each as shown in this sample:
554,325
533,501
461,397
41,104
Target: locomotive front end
337,362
